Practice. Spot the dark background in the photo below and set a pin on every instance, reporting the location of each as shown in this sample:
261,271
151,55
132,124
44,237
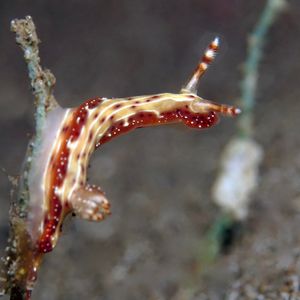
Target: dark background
159,179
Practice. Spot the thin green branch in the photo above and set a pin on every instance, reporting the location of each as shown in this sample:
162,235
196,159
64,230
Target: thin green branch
241,159
255,52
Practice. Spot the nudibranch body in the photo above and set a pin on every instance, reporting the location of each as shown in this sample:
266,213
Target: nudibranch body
71,135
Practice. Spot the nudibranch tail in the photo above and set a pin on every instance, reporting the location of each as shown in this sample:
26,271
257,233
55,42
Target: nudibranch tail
206,59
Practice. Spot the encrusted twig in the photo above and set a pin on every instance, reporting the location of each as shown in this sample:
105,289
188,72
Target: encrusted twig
19,251
42,80
42,83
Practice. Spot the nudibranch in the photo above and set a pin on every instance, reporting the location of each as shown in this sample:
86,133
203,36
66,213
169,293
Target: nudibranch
59,173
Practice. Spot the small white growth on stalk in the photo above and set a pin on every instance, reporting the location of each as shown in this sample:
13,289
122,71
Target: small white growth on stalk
238,176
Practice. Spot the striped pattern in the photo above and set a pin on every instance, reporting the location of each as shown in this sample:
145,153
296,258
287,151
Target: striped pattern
61,181
92,124
206,59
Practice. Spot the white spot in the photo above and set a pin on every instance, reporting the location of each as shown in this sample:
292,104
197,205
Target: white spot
210,54
216,41
203,66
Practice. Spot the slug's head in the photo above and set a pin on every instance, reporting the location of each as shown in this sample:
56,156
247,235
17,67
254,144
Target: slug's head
201,113
202,106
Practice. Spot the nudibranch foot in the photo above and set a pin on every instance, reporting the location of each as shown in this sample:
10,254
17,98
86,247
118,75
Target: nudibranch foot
90,203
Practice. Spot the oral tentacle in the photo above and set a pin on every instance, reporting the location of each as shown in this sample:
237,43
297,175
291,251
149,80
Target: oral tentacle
202,106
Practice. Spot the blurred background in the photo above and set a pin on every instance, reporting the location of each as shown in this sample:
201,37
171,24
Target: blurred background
159,179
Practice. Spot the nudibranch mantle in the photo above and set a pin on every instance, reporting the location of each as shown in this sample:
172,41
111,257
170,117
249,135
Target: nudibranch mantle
58,176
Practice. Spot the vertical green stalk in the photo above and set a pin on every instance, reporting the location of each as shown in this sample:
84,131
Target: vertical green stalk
255,53
257,38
